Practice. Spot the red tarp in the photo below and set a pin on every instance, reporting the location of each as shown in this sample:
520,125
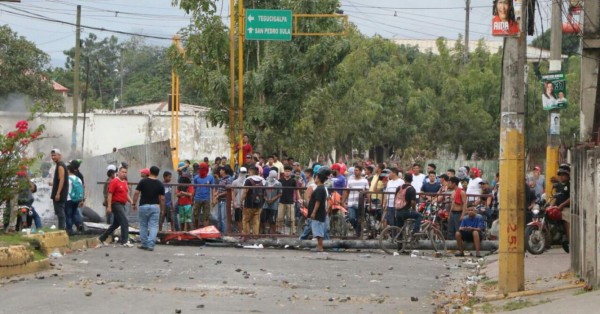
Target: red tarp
210,232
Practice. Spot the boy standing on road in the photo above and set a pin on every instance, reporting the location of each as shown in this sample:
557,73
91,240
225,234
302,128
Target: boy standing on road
118,196
316,210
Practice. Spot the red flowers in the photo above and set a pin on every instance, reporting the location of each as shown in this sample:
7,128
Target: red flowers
11,135
24,141
21,173
35,135
22,126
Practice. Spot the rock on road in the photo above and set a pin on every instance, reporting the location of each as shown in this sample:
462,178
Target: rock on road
226,280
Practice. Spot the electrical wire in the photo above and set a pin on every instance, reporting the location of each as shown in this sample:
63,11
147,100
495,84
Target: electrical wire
102,29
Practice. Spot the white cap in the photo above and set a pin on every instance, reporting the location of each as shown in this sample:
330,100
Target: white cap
111,167
55,151
243,169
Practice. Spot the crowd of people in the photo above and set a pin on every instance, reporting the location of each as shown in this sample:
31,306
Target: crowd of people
273,196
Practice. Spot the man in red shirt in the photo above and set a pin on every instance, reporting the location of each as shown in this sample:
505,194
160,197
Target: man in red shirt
118,196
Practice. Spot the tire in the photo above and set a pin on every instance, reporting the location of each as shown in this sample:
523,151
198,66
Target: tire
535,240
438,242
390,234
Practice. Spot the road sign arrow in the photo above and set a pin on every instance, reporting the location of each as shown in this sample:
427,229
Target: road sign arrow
250,18
250,30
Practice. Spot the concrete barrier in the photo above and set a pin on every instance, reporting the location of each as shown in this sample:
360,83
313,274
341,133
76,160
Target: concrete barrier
51,241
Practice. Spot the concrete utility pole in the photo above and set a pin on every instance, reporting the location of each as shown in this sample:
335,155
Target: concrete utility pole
467,18
590,76
121,73
553,140
76,83
512,164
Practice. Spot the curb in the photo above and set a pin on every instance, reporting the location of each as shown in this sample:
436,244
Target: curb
28,268
496,297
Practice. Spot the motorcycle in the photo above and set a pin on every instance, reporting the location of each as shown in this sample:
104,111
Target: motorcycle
546,228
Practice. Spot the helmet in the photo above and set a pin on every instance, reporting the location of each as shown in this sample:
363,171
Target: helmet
554,213
443,214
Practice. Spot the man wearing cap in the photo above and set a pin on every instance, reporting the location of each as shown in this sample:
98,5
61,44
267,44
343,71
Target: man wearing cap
118,197
562,199
473,187
144,173
238,202
59,188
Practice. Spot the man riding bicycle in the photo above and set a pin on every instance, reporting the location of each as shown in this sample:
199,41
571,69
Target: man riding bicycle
410,200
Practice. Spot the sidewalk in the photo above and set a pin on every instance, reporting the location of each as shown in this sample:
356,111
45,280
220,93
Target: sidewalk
548,282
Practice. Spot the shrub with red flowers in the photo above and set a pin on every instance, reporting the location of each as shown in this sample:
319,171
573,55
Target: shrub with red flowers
14,159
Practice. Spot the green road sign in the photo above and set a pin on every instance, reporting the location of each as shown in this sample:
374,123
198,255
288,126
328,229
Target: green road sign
268,24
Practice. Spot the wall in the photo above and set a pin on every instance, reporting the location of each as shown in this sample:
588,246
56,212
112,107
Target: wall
105,130
585,214
94,172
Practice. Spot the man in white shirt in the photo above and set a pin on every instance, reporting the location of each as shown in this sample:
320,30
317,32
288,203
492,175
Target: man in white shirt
418,179
357,181
389,211
473,187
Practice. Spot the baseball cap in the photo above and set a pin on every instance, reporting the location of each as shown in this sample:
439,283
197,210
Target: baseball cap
296,163
145,171
249,156
475,171
336,167
111,167
55,151
75,163
484,182
537,168
243,169
385,173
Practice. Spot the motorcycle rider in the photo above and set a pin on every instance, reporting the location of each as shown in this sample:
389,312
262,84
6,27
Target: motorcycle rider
562,199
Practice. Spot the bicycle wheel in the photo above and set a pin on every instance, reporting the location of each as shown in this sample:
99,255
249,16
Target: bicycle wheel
338,226
390,235
438,242
406,239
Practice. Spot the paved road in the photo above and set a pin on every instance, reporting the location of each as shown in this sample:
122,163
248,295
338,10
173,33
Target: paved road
226,280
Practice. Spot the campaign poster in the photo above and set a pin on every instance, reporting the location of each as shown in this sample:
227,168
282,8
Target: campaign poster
555,123
506,20
554,91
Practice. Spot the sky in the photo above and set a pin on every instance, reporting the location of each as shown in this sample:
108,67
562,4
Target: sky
45,22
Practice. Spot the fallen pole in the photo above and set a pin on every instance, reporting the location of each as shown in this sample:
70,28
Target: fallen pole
346,244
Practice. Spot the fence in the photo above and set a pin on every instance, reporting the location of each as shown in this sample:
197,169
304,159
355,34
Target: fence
585,215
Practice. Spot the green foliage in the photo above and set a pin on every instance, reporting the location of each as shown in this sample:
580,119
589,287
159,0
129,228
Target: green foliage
23,69
570,42
14,160
313,94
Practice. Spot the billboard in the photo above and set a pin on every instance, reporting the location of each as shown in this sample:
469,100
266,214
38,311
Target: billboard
554,91
506,20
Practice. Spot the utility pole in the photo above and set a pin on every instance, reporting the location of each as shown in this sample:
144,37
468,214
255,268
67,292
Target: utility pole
512,164
467,18
121,72
76,83
553,140
590,74
232,122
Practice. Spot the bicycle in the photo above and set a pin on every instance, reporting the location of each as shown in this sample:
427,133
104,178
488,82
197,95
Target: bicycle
404,240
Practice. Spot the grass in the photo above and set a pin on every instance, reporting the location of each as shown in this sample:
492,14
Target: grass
581,291
8,239
517,305
488,308
490,283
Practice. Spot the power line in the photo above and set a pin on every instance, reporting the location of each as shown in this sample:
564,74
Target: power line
416,8
102,29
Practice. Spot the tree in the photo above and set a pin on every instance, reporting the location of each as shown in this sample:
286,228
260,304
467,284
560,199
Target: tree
14,160
570,42
24,69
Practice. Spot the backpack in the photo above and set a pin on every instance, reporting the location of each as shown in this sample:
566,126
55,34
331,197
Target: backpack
76,192
400,198
257,196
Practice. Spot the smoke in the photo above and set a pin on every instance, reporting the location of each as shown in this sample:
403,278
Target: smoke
15,102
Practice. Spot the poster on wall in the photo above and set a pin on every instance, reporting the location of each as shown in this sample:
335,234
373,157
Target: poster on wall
554,91
555,123
506,20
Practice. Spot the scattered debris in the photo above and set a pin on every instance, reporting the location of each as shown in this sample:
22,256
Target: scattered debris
414,299
88,293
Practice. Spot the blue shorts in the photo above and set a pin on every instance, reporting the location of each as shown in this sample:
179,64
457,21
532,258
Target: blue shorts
318,228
